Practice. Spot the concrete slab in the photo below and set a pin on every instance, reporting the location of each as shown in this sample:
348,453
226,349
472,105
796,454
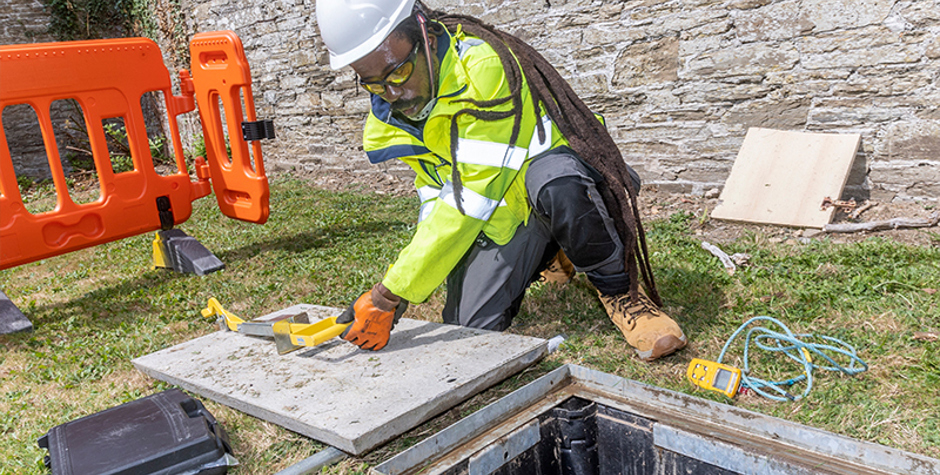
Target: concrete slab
352,399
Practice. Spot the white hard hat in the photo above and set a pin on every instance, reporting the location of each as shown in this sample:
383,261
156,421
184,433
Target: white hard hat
351,29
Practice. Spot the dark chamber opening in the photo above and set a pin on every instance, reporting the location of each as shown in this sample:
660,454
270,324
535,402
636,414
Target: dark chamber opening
582,437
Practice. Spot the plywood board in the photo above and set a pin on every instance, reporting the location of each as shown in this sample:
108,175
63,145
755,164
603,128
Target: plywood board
338,394
782,177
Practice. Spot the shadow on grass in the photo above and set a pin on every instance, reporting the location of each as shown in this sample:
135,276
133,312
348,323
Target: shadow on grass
158,292
104,307
331,236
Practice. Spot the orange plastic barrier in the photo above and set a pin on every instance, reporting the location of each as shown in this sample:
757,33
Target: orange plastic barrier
220,73
107,78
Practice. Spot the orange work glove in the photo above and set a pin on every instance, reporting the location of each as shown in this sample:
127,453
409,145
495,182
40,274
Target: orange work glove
373,315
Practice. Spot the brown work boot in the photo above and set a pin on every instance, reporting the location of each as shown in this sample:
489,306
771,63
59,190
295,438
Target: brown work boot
647,329
559,271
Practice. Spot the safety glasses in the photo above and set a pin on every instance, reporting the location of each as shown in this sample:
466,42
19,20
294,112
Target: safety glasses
400,75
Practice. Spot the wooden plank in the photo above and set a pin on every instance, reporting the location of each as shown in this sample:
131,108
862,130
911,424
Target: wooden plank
782,177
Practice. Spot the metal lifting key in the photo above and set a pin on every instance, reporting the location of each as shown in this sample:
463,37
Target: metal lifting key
290,332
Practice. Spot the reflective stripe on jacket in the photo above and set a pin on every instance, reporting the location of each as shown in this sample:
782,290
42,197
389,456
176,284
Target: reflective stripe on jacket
492,171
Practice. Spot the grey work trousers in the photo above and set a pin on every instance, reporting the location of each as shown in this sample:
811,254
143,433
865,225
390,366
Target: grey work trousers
486,288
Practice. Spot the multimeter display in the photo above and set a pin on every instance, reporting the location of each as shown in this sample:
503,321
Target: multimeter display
724,378
715,376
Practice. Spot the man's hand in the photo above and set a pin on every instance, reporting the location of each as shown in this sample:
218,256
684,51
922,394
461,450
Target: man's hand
373,315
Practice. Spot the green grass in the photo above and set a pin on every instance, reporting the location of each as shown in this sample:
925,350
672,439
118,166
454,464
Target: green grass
96,309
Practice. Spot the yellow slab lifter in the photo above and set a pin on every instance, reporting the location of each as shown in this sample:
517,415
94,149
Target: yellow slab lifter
290,332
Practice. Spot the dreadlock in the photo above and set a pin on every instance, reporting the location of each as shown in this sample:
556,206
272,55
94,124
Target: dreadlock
586,135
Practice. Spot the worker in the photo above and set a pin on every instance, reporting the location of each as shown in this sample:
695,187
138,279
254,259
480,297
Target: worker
513,172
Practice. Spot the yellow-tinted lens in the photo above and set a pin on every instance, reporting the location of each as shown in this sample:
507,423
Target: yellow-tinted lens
376,89
401,75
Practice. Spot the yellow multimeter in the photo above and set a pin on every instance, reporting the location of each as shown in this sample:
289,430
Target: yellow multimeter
714,376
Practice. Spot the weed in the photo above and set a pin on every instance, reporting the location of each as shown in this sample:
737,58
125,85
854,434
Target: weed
24,182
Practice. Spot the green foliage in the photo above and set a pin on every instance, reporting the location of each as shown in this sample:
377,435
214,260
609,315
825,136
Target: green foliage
93,19
24,182
199,147
98,19
119,150
158,150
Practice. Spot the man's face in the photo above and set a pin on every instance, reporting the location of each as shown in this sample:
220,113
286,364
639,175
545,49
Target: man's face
411,96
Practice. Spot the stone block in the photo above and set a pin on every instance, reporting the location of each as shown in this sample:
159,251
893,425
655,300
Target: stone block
902,86
745,59
647,63
689,20
613,34
827,15
832,112
888,54
331,100
785,114
589,84
916,141
715,29
704,171
906,173
867,46
779,21
922,191
921,14
747,4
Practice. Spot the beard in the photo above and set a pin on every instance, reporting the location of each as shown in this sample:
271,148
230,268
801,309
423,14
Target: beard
410,109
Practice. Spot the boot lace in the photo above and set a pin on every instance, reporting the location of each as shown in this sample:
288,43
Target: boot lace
633,310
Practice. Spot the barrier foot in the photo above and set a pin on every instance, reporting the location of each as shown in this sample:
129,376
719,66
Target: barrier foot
174,249
12,319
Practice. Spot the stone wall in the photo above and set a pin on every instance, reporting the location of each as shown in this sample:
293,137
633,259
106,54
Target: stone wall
679,81
23,21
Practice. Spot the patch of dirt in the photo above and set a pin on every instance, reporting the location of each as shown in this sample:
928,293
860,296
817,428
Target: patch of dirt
656,204
659,204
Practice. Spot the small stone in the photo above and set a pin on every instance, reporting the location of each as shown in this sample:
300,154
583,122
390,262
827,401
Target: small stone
809,233
712,193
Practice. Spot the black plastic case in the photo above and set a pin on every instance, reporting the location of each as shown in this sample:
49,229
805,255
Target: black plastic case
164,433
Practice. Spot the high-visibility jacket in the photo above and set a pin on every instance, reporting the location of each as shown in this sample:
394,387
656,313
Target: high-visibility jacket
492,172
